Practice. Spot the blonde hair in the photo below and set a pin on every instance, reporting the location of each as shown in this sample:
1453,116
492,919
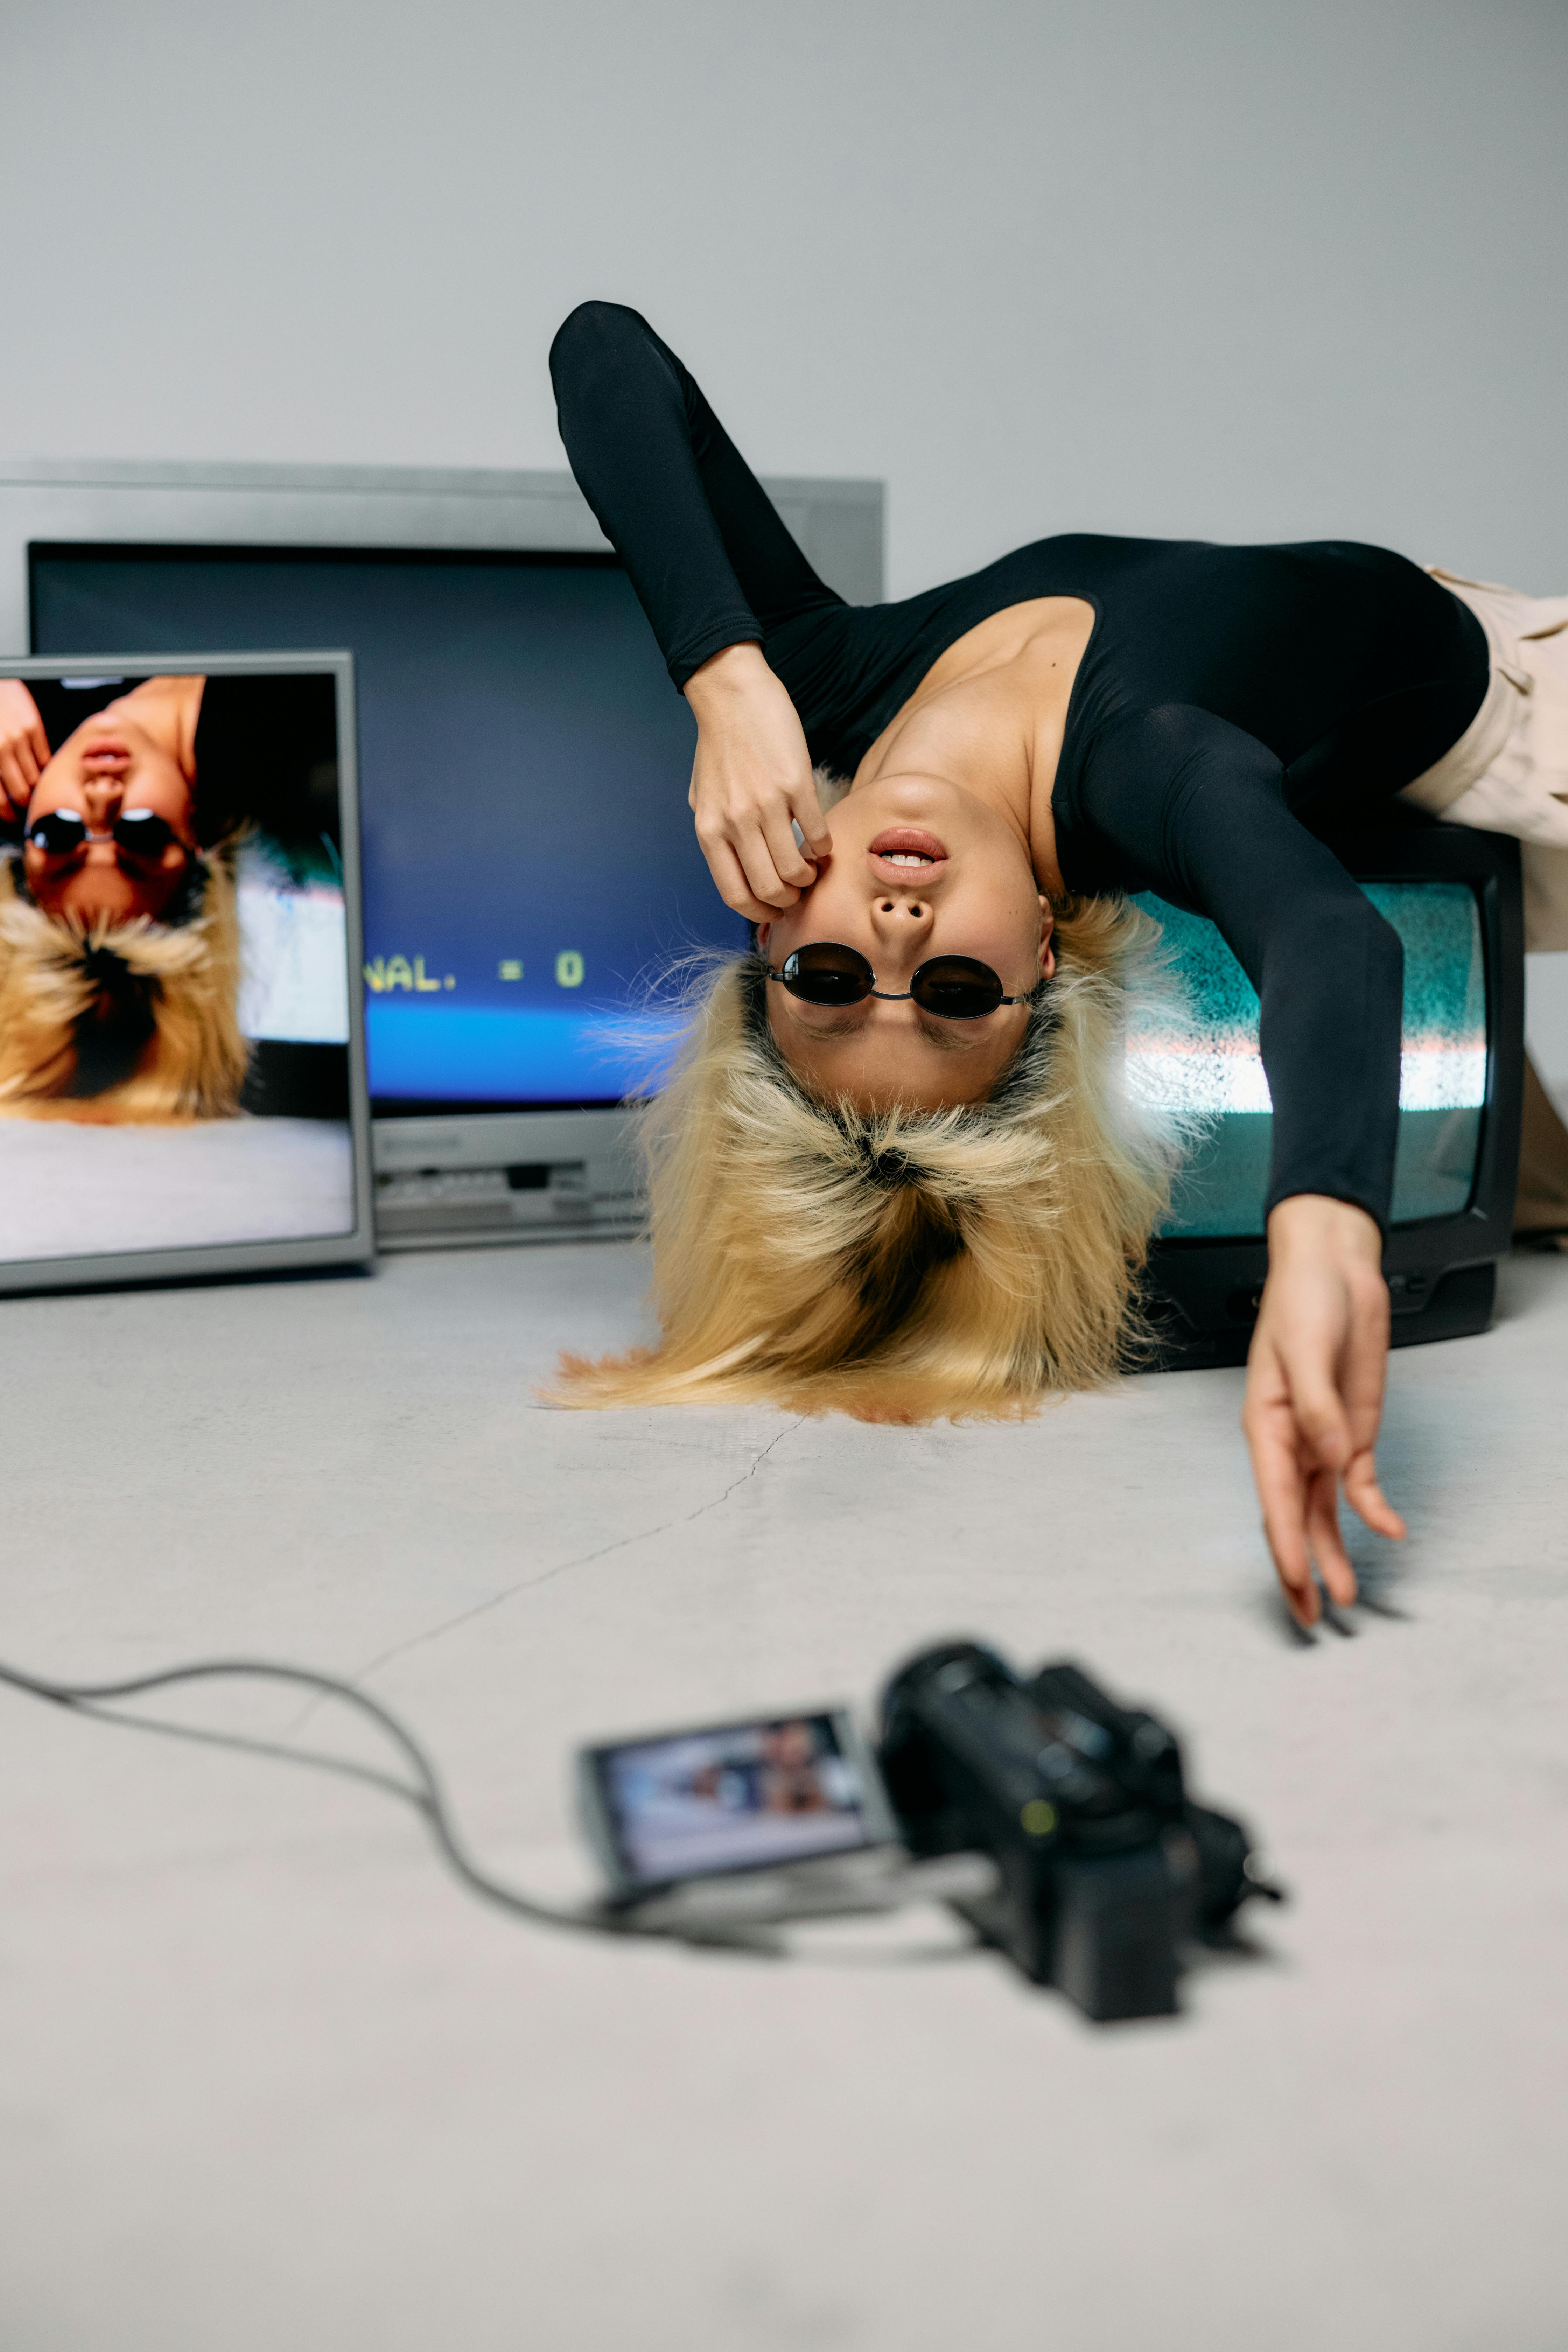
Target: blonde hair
900,1264
150,1008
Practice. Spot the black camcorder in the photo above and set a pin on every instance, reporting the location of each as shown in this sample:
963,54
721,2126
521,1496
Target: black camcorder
1056,1822
1105,1867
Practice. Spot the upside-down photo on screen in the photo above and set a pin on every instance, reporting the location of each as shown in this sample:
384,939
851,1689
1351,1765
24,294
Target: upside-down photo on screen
736,1796
181,1077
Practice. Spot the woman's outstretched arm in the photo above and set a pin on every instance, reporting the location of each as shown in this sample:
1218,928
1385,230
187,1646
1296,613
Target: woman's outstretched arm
1197,807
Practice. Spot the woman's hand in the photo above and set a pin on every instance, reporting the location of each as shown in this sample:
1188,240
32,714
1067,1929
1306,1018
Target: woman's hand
752,783
1314,1392
23,748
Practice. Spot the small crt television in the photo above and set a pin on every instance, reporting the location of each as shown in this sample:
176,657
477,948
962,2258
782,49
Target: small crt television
1454,897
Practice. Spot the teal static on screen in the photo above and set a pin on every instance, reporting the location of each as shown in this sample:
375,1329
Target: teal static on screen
1197,1057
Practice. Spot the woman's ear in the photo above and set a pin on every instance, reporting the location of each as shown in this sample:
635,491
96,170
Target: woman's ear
764,933
1047,953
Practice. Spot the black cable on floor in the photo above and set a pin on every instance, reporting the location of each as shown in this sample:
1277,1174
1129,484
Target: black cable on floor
426,1794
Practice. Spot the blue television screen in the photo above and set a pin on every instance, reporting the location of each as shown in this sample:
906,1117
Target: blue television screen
529,856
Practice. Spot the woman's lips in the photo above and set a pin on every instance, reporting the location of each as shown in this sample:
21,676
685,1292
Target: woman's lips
907,849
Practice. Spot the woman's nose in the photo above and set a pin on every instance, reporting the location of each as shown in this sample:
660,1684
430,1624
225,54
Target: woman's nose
901,928
900,916
104,796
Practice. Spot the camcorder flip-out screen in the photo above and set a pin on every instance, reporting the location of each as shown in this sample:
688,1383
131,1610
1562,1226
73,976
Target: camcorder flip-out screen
734,1795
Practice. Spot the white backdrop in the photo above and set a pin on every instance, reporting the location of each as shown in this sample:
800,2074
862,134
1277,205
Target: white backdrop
1237,269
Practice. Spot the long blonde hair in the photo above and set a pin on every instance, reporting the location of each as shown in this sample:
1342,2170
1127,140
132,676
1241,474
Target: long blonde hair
149,1009
899,1264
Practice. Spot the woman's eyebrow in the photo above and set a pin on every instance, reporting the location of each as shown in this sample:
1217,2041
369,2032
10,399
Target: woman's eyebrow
937,1034
851,1024
848,1025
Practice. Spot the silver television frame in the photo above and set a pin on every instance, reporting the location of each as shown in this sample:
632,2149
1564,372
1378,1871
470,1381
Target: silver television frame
356,1245
440,1179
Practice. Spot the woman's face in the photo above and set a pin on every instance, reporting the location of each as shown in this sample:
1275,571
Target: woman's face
919,868
110,769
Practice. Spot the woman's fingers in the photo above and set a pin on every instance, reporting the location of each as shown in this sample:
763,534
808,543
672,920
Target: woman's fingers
1367,1499
743,872
752,782
1322,1435
24,746
730,879
1326,1541
15,790
1277,1469
1308,1362
763,876
807,812
1366,1373
790,862
1284,1500
19,770
1314,1393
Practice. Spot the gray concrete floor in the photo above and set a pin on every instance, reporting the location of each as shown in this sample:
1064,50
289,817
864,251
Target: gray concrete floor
271,2079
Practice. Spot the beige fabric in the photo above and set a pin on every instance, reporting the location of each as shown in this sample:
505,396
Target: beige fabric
1508,771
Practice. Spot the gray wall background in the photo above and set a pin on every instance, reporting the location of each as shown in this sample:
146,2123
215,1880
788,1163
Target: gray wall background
1229,267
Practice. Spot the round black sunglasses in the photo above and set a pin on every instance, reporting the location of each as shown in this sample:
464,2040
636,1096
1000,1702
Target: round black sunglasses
141,833
954,988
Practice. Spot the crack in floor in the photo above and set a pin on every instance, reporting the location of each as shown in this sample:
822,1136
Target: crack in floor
563,1568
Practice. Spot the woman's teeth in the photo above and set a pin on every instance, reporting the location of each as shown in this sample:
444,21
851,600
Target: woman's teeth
904,857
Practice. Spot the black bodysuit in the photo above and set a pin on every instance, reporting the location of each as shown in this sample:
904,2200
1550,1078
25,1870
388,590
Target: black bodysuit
1232,703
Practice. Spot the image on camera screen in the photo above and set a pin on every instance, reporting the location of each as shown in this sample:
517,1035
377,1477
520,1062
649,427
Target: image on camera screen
740,1797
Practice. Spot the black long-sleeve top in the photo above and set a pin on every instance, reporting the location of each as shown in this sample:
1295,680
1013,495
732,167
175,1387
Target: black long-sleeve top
1232,703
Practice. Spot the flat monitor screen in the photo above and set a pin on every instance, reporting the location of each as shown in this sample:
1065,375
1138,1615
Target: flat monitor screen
177,943
527,851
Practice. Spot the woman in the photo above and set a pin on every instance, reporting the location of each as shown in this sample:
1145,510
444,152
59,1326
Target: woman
120,943
894,1173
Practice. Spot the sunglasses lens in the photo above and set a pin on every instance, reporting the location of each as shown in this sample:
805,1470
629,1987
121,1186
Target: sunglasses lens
142,833
956,988
826,974
60,831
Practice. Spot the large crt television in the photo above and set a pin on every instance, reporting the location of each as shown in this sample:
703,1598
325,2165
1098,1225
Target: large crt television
1454,897
529,865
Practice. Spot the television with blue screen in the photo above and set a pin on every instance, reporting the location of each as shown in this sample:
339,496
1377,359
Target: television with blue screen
529,857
